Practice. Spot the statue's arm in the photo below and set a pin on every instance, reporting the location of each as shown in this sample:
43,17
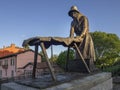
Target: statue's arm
85,27
72,30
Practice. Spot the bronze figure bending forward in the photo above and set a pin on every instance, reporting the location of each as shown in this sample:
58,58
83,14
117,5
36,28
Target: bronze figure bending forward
82,41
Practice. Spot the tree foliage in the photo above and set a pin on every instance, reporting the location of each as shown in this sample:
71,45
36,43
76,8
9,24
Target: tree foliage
43,59
61,60
26,47
54,58
107,48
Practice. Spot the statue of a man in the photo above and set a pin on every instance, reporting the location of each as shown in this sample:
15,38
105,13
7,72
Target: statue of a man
80,27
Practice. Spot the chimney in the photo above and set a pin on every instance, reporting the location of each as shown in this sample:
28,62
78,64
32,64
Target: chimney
12,45
3,47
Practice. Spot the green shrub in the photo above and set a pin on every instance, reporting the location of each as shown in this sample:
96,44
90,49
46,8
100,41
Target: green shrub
115,70
61,60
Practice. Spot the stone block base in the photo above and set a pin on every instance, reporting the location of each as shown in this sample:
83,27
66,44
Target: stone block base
99,81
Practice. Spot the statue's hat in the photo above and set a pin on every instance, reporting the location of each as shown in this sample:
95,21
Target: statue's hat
73,9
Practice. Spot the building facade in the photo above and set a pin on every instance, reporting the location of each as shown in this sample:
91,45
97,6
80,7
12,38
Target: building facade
10,65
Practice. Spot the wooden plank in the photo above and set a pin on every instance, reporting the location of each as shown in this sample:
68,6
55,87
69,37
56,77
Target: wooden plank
35,62
67,59
48,62
82,57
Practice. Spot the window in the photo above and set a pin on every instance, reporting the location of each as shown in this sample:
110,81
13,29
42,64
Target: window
0,73
12,73
12,62
6,72
6,62
28,72
0,63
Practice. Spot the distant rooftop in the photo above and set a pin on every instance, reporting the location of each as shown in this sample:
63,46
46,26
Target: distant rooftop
7,50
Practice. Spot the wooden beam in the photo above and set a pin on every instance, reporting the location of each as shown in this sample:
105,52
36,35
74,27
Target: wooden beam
52,55
35,62
82,57
66,68
48,62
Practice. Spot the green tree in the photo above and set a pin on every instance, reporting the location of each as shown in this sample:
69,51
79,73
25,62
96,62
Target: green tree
26,47
107,48
61,60
54,58
42,56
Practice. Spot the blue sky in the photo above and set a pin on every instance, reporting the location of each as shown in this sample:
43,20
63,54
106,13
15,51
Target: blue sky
22,19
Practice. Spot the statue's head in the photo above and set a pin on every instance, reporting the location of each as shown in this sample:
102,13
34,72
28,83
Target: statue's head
73,9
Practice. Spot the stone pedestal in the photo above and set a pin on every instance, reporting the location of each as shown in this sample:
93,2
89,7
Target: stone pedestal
99,81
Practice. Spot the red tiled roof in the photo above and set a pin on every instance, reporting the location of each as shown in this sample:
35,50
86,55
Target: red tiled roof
14,54
41,65
10,50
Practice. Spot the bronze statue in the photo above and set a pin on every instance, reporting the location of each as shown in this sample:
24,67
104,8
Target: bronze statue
82,42
80,27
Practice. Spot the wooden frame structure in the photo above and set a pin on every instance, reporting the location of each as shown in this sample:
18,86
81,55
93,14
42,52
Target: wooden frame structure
36,42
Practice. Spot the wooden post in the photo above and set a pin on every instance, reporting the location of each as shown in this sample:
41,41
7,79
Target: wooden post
48,62
51,54
82,58
67,59
35,62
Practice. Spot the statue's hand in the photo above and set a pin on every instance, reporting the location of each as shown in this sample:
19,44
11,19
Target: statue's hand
78,39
